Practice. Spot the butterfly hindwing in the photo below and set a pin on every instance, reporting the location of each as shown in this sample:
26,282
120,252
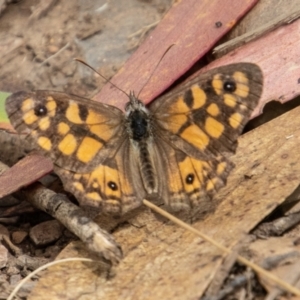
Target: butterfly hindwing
192,181
109,186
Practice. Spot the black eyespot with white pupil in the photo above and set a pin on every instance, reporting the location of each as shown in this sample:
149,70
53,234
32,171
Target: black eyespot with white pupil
190,178
40,110
229,86
112,185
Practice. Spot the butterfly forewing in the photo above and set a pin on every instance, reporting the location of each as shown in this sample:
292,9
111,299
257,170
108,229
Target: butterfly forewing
76,133
206,115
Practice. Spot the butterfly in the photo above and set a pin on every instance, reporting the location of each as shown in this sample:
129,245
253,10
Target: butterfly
172,150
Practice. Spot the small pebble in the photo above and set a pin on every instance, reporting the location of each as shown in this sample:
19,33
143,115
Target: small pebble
19,236
12,271
46,233
14,279
52,49
52,251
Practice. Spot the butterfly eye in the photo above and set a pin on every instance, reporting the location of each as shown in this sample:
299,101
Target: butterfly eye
190,178
229,86
40,110
112,185
127,106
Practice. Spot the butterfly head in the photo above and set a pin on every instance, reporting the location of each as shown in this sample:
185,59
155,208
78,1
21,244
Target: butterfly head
134,104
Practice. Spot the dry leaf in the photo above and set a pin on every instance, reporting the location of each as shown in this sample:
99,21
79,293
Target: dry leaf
162,260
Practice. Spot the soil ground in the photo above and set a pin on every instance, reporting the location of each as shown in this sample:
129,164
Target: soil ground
39,41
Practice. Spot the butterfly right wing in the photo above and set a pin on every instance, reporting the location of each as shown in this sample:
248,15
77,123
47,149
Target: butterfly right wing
196,123
76,133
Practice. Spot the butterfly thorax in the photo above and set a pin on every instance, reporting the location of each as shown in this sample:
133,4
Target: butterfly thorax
139,129
137,120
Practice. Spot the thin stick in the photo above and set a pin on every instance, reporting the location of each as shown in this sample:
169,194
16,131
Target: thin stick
241,259
55,54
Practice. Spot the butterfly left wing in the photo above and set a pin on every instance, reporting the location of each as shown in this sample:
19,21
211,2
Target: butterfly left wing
84,139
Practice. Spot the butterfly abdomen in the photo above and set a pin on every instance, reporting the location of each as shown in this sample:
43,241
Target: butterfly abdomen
147,170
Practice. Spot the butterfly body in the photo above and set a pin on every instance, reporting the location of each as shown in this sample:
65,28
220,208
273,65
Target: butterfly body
172,150
140,135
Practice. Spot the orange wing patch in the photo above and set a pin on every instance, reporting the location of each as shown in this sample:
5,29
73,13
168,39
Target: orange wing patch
63,128
214,128
68,144
88,149
73,113
195,136
242,87
199,97
44,143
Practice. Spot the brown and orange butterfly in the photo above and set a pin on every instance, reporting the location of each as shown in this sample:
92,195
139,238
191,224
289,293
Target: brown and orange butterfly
171,150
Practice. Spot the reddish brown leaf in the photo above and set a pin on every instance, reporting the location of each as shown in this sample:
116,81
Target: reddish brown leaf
193,27
25,172
277,53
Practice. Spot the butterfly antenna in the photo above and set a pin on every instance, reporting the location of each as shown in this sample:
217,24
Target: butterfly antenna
155,69
107,80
